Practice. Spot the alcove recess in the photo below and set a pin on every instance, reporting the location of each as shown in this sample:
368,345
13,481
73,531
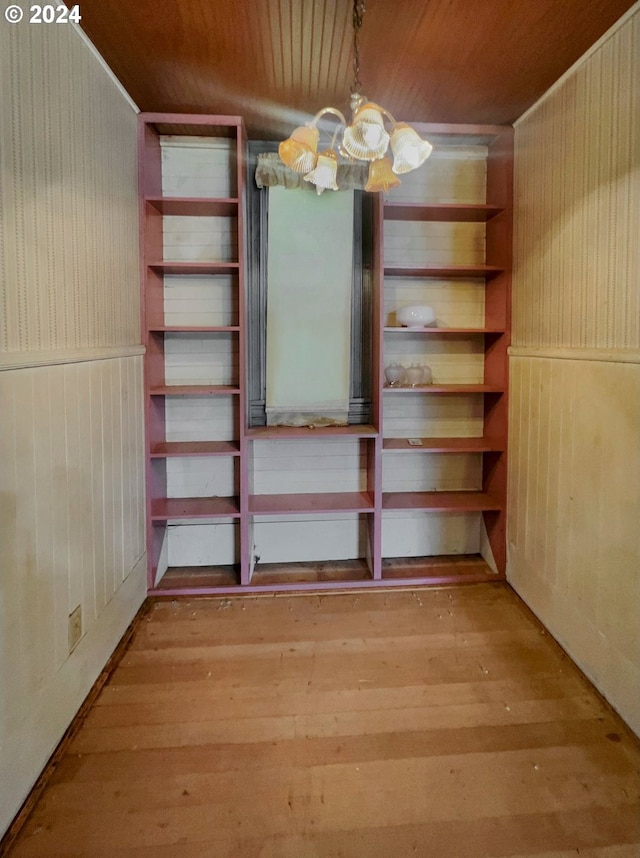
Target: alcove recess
235,509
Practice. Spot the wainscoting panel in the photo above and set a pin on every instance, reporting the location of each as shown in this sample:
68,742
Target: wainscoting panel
574,465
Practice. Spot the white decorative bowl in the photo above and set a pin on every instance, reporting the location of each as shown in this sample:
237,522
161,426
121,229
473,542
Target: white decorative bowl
416,316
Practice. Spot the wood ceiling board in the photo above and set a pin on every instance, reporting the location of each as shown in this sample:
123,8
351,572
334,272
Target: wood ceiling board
275,62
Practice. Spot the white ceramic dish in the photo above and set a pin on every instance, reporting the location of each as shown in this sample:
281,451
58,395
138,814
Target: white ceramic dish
416,316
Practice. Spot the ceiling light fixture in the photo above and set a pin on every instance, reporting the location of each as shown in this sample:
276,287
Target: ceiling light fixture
366,138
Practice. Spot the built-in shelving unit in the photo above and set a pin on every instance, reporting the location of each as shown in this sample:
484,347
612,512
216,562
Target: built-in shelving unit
422,485
192,243
475,236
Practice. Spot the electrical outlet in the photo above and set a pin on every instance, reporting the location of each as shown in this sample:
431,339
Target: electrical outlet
75,627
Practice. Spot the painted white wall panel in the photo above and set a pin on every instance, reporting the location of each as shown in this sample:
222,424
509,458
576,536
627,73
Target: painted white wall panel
431,472
574,472
201,477
308,466
71,434
201,358
201,418
199,239
71,514
197,544
409,415
194,300
452,174
197,167
421,534
421,243
306,538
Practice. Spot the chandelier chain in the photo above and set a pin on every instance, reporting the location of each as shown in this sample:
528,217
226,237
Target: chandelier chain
358,13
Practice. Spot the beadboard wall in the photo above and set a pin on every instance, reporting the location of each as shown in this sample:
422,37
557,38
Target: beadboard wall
453,174
71,434
573,540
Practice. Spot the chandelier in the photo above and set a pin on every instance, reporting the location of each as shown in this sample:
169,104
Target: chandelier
366,138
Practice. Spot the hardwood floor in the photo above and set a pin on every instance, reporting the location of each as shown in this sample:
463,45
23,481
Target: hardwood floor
434,723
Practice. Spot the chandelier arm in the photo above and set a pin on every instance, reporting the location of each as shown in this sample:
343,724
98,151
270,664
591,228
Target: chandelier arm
332,110
388,115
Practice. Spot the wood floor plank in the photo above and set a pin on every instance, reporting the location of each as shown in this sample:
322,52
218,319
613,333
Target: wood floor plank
441,723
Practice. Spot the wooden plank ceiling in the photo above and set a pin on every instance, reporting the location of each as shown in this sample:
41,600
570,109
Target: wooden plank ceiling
277,61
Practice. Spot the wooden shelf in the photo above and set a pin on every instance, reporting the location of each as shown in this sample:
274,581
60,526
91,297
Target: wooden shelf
274,432
163,267
168,449
446,389
438,569
444,445
325,502
331,575
164,509
194,206
440,501
448,272
194,390
181,578
401,329
193,329
331,572
447,212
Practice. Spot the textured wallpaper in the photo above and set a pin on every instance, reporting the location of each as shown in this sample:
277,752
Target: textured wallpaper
577,206
70,273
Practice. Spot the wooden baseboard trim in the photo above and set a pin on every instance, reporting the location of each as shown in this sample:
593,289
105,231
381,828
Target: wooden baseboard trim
10,836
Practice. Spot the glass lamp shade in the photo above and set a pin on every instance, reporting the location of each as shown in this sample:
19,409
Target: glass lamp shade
324,175
381,177
366,138
409,149
299,152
